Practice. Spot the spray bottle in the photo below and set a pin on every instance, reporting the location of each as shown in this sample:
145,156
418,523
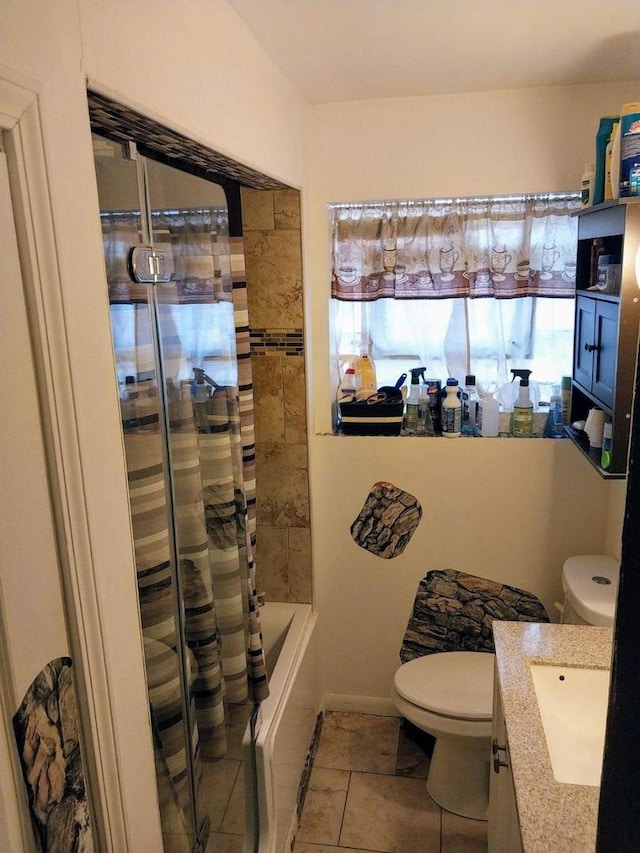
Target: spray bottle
425,417
412,412
508,393
522,417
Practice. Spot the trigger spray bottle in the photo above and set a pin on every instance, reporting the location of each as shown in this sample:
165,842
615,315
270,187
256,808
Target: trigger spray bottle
412,411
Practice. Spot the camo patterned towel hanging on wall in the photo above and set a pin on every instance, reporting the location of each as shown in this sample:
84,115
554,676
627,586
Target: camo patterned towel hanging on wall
387,521
453,612
46,727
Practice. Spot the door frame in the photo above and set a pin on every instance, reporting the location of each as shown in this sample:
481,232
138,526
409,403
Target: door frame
121,822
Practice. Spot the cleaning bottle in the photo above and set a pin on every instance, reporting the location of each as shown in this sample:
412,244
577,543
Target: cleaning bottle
488,416
365,370
470,401
347,388
425,418
522,417
586,185
412,411
508,393
608,190
554,428
452,410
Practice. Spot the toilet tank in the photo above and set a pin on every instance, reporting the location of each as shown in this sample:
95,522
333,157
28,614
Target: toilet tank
590,584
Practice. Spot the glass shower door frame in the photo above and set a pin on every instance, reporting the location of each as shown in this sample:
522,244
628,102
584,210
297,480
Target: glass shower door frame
200,827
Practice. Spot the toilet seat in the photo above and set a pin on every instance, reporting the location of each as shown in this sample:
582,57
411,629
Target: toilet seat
452,684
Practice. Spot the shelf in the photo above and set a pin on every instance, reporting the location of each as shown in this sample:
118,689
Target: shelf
581,441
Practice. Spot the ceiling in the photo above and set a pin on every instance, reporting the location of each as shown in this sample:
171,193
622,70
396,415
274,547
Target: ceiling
338,50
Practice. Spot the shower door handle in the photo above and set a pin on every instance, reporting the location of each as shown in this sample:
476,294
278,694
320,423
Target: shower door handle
148,266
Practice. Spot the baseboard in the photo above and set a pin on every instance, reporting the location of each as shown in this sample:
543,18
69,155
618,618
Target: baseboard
360,704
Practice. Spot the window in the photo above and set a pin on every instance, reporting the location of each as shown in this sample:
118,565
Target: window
457,285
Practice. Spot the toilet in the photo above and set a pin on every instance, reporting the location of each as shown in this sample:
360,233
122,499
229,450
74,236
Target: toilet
449,695
590,586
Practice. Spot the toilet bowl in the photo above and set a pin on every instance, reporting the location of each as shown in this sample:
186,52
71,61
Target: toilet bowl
449,695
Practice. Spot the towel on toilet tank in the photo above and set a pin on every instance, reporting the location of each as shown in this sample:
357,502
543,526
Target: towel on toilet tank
453,611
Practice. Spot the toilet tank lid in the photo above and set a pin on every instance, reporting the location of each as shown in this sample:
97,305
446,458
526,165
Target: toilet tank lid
454,684
590,582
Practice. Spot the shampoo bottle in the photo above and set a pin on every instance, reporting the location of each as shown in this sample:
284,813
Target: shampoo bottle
452,411
522,417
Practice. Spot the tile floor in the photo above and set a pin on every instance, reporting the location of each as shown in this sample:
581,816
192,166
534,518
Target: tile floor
367,793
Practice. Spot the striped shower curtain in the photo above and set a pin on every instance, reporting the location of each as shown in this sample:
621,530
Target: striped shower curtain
212,459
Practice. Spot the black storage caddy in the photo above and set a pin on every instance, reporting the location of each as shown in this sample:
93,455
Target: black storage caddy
362,418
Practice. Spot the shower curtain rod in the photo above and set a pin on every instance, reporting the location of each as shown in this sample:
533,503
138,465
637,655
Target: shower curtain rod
347,205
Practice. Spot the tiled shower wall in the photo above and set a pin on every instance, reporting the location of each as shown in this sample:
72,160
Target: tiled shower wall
273,257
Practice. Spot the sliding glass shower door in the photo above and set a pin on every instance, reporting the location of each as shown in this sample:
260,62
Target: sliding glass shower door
174,333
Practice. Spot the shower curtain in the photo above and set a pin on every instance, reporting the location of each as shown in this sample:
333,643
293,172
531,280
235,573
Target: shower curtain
211,453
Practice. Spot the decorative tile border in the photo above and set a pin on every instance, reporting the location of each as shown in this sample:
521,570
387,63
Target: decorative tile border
277,342
123,124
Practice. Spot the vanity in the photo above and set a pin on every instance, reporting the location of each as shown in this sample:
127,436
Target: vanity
559,673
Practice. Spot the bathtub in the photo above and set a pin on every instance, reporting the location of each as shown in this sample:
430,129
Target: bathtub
284,726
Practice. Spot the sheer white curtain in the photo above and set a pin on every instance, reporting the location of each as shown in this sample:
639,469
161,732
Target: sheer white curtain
458,286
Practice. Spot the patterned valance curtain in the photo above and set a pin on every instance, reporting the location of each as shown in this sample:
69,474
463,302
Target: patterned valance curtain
438,249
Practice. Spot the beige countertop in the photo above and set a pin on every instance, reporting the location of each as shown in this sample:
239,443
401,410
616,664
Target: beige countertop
554,817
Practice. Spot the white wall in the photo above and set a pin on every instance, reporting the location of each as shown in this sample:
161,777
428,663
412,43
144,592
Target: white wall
194,67
503,508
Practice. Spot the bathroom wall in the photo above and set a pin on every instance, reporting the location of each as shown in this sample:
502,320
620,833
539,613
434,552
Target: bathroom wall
272,241
225,92
507,509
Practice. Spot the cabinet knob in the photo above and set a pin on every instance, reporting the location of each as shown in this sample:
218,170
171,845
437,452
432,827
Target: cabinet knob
591,347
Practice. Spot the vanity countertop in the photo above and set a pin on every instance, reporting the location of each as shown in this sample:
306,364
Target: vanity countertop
554,817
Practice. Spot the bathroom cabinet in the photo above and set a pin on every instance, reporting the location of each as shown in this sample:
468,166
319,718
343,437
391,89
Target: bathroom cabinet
606,327
504,826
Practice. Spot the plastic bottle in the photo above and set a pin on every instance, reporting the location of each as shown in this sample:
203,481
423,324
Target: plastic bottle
522,417
488,416
615,162
565,391
412,412
629,136
347,388
607,441
452,411
554,428
425,419
586,185
365,369
602,139
508,393
470,399
608,191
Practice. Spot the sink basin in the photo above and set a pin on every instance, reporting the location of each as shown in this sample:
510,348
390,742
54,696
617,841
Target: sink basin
573,706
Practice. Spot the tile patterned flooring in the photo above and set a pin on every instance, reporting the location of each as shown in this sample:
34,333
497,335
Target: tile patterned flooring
367,793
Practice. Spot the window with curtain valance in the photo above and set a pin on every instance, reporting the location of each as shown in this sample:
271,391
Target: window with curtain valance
475,285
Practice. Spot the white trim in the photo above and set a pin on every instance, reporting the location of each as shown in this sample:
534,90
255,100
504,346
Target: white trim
20,118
